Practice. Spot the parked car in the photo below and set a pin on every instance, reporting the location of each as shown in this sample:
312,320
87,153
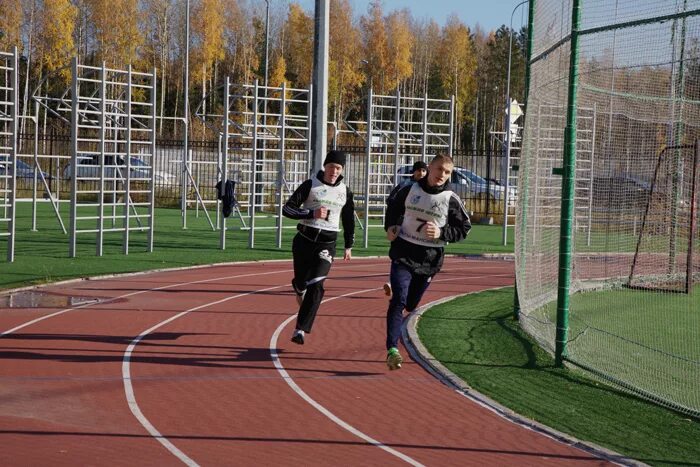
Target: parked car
24,170
89,167
620,191
467,184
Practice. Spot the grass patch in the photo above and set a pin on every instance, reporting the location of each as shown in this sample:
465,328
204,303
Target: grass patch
42,256
476,338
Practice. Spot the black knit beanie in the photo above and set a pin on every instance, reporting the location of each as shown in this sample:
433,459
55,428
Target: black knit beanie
419,165
335,157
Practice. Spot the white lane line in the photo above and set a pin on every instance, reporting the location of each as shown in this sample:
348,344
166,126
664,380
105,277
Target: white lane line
138,292
337,420
154,289
126,367
340,422
129,389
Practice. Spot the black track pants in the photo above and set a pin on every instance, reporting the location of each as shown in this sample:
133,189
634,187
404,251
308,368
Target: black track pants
312,263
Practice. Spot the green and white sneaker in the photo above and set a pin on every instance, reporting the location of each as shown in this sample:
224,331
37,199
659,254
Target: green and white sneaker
393,359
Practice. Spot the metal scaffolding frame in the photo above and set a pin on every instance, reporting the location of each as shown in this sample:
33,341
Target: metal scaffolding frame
9,104
265,148
550,134
402,130
113,117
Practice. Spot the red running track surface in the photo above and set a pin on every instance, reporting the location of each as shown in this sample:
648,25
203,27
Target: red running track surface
195,366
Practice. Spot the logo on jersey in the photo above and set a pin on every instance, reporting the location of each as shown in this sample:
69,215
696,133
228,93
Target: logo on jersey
322,192
440,207
415,199
325,255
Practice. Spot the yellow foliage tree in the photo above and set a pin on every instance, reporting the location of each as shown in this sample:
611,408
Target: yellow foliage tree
375,46
207,30
278,72
11,16
345,75
117,30
456,63
399,48
299,51
56,47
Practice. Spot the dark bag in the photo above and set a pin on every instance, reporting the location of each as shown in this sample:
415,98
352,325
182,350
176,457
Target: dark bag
227,197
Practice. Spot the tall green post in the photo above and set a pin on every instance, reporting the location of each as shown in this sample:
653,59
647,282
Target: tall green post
523,200
567,191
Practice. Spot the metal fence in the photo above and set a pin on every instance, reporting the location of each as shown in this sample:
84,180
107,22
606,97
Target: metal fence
479,178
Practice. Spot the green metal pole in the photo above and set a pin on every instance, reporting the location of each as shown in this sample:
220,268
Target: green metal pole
523,201
530,41
567,202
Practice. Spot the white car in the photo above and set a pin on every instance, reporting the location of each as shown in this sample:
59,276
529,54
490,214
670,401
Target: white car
467,184
89,168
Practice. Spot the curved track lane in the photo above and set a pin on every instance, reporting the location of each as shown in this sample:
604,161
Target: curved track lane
196,367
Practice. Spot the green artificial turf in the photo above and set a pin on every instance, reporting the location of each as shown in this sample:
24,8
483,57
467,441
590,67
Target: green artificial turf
476,337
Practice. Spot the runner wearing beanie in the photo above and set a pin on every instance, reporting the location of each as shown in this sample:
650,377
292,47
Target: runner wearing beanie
320,204
420,169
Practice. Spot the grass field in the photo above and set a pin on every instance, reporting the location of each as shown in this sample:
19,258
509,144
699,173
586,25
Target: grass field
42,256
477,338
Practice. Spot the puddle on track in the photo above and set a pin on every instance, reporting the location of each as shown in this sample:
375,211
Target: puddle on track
34,299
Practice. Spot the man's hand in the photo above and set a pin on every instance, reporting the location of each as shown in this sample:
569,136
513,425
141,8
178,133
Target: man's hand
432,230
392,232
321,213
348,254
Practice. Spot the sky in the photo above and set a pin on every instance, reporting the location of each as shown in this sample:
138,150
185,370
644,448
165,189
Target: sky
489,14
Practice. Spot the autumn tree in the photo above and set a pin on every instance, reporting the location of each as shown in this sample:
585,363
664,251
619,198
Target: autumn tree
345,75
56,46
116,28
425,47
299,52
399,49
375,46
456,64
11,17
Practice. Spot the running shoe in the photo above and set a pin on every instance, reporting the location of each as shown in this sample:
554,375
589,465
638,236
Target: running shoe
298,337
387,289
393,359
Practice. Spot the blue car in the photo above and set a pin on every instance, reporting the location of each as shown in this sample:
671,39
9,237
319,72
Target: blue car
24,170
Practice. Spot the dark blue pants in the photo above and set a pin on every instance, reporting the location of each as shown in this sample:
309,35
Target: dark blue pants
407,289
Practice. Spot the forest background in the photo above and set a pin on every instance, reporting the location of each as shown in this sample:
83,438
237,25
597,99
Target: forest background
389,50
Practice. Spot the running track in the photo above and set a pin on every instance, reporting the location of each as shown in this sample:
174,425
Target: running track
195,367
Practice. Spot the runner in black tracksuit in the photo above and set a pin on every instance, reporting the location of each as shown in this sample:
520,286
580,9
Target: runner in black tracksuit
420,219
320,204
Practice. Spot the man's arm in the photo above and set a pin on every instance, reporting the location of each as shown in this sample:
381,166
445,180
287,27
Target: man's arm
347,215
396,207
458,223
292,208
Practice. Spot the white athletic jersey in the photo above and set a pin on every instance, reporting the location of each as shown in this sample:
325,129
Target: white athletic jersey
330,197
421,208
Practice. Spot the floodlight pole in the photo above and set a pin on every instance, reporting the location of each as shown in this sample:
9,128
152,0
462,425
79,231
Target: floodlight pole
185,153
267,40
507,127
320,84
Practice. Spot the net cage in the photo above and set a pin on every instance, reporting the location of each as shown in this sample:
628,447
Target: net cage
633,295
